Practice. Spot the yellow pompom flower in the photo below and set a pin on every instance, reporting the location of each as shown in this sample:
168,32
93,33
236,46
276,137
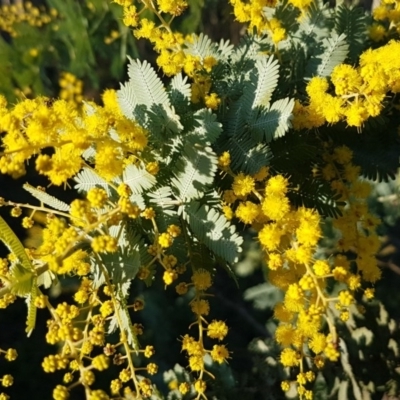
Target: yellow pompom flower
212,101
217,330
200,386
243,185
289,358
247,212
202,279
276,186
165,240
104,244
200,307
174,7
130,16
101,362
219,353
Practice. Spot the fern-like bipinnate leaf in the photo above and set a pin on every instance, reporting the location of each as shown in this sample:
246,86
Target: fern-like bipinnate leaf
149,88
161,196
335,52
10,239
87,179
211,227
273,123
179,91
45,198
268,74
206,127
32,309
224,50
22,274
143,88
201,46
316,24
196,170
246,154
138,179
352,21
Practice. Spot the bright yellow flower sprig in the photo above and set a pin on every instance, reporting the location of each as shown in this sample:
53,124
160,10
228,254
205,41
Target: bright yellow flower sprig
9,355
24,12
33,125
356,225
195,349
289,238
359,92
201,281
71,89
387,15
253,13
81,329
165,41
171,46
79,337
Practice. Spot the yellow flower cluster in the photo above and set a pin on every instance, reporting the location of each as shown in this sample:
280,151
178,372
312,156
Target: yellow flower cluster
356,225
253,13
24,12
359,92
216,329
387,15
33,125
289,237
71,89
173,56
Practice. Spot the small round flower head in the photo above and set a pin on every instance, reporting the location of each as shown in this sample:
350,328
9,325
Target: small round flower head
217,330
184,388
60,393
200,386
219,353
149,351
224,160
202,279
11,355
243,185
200,307
152,368
101,362
289,358
165,240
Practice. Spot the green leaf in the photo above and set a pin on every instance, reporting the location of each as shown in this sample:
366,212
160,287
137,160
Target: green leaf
32,309
87,179
211,227
46,198
10,239
273,123
138,179
206,127
125,320
335,50
162,196
316,23
246,155
268,74
179,90
201,46
143,88
196,170
225,49
352,21
21,279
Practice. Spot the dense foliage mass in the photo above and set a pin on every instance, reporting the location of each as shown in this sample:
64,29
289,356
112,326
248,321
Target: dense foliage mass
276,139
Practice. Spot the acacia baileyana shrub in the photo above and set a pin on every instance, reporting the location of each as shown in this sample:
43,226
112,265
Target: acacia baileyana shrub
279,136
